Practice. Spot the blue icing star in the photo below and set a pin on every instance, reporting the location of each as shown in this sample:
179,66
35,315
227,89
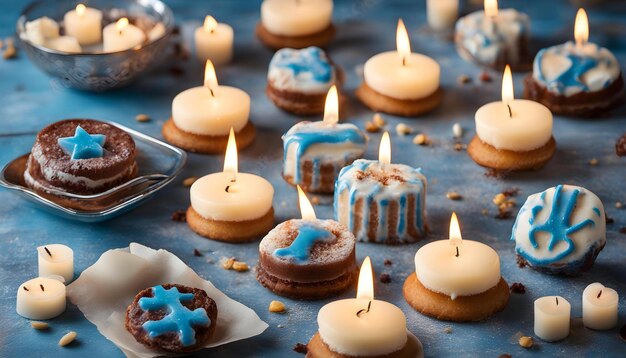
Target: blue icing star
83,145
301,247
178,319
309,60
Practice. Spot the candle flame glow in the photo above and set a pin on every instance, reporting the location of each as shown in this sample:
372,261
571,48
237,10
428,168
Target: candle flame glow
491,8
230,159
455,231
210,24
384,150
331,108
121,24
210,78
403,44
80,9
581,28
507,86
306,209
365,289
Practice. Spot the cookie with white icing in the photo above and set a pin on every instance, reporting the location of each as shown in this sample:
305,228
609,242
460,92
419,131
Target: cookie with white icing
382,203
560,230
315,152
494,41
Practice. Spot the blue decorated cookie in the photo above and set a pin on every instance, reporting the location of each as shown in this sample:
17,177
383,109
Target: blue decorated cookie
172,318
381,203
560,230
307,259
315,152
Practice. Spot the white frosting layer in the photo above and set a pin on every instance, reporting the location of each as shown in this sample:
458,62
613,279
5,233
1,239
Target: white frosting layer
40,30
296,18
307,70
568,70
487,39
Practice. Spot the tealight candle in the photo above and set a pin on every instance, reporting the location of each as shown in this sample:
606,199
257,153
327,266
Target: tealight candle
442,14
84,24
296,17
552,318
56,259
600,307
122,35
214,41
41,298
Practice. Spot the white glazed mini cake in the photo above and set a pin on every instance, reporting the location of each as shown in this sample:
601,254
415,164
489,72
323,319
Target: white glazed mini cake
560,230
494,41
315,152
381,202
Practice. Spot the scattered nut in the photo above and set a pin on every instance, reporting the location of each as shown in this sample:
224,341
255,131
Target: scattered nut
180,216
403,129
371,127
504,355
39,325
228,263
197,253
459,147
277,307
485,212
526,341
618,205
420,139
189,181
453,195
142,118
448,330
388,262
499,199
9,52
240,266
463,79
457,130
301,348
67,339
518,287
315,200
378,120
593,161
385,278
485,76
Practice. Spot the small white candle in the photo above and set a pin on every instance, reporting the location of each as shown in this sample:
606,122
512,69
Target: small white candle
122,35
296,17
56,259
600,307
214,41
230,195
66,44
211,109
84,24
41,298
552,316
442,14
402,74
513,124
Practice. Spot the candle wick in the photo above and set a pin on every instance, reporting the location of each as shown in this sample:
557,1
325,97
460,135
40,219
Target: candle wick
364,310
212,94
599,294
457,251
26,288
233,180
510,111
557,300
40,285
403,60
48,251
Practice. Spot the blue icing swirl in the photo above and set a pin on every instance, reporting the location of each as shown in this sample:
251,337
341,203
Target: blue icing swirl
311,60
300,248
572,77
179,318
83,145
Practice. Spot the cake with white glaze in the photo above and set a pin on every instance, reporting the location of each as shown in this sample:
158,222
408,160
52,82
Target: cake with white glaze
381,203
560,230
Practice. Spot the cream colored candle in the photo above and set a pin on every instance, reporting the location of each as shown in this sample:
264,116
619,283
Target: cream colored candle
296,17
84,24
41,298
229,195
402,74
457,267
442,14
214,41
66,44
513,124
552,316
600,307
56,259
211,109
121,36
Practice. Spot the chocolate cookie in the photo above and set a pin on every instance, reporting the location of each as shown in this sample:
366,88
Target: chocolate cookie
172,318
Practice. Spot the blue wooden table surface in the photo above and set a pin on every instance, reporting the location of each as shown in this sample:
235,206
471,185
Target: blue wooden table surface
30,100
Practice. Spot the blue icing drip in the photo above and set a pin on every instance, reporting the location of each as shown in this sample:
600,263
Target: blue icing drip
301,247
83,145
179,318
572,76
597,211
309,60
402,216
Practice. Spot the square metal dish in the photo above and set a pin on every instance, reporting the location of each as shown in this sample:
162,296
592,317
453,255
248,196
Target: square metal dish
159,163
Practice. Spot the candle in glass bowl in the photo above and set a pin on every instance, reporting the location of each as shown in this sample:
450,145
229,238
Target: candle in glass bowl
214,41
84,24
552,318
442,14
41,298
56,259
296,17
121,35
600,307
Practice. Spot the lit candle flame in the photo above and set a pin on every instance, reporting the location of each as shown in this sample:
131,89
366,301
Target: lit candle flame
121,24
80,10
507,86
403,44
210,78
491,8
331,108
210,24
306,209
384,150
581,28
365,289
230,159
455,231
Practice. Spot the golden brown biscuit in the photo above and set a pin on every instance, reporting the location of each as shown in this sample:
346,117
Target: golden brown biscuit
230,231
318,349
276,42
408,108
508,160
206,144
309,290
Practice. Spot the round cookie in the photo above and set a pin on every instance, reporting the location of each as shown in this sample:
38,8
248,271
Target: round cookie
402,107
206,144
317,348
230,231
276,42
153,312
507,160
307,259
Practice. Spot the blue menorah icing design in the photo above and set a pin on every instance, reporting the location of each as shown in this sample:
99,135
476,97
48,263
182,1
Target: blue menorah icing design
572,77
309,60
300,248
83,145
179,318
558,224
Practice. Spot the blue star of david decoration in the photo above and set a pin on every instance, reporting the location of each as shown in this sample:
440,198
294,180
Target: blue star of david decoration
83,145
